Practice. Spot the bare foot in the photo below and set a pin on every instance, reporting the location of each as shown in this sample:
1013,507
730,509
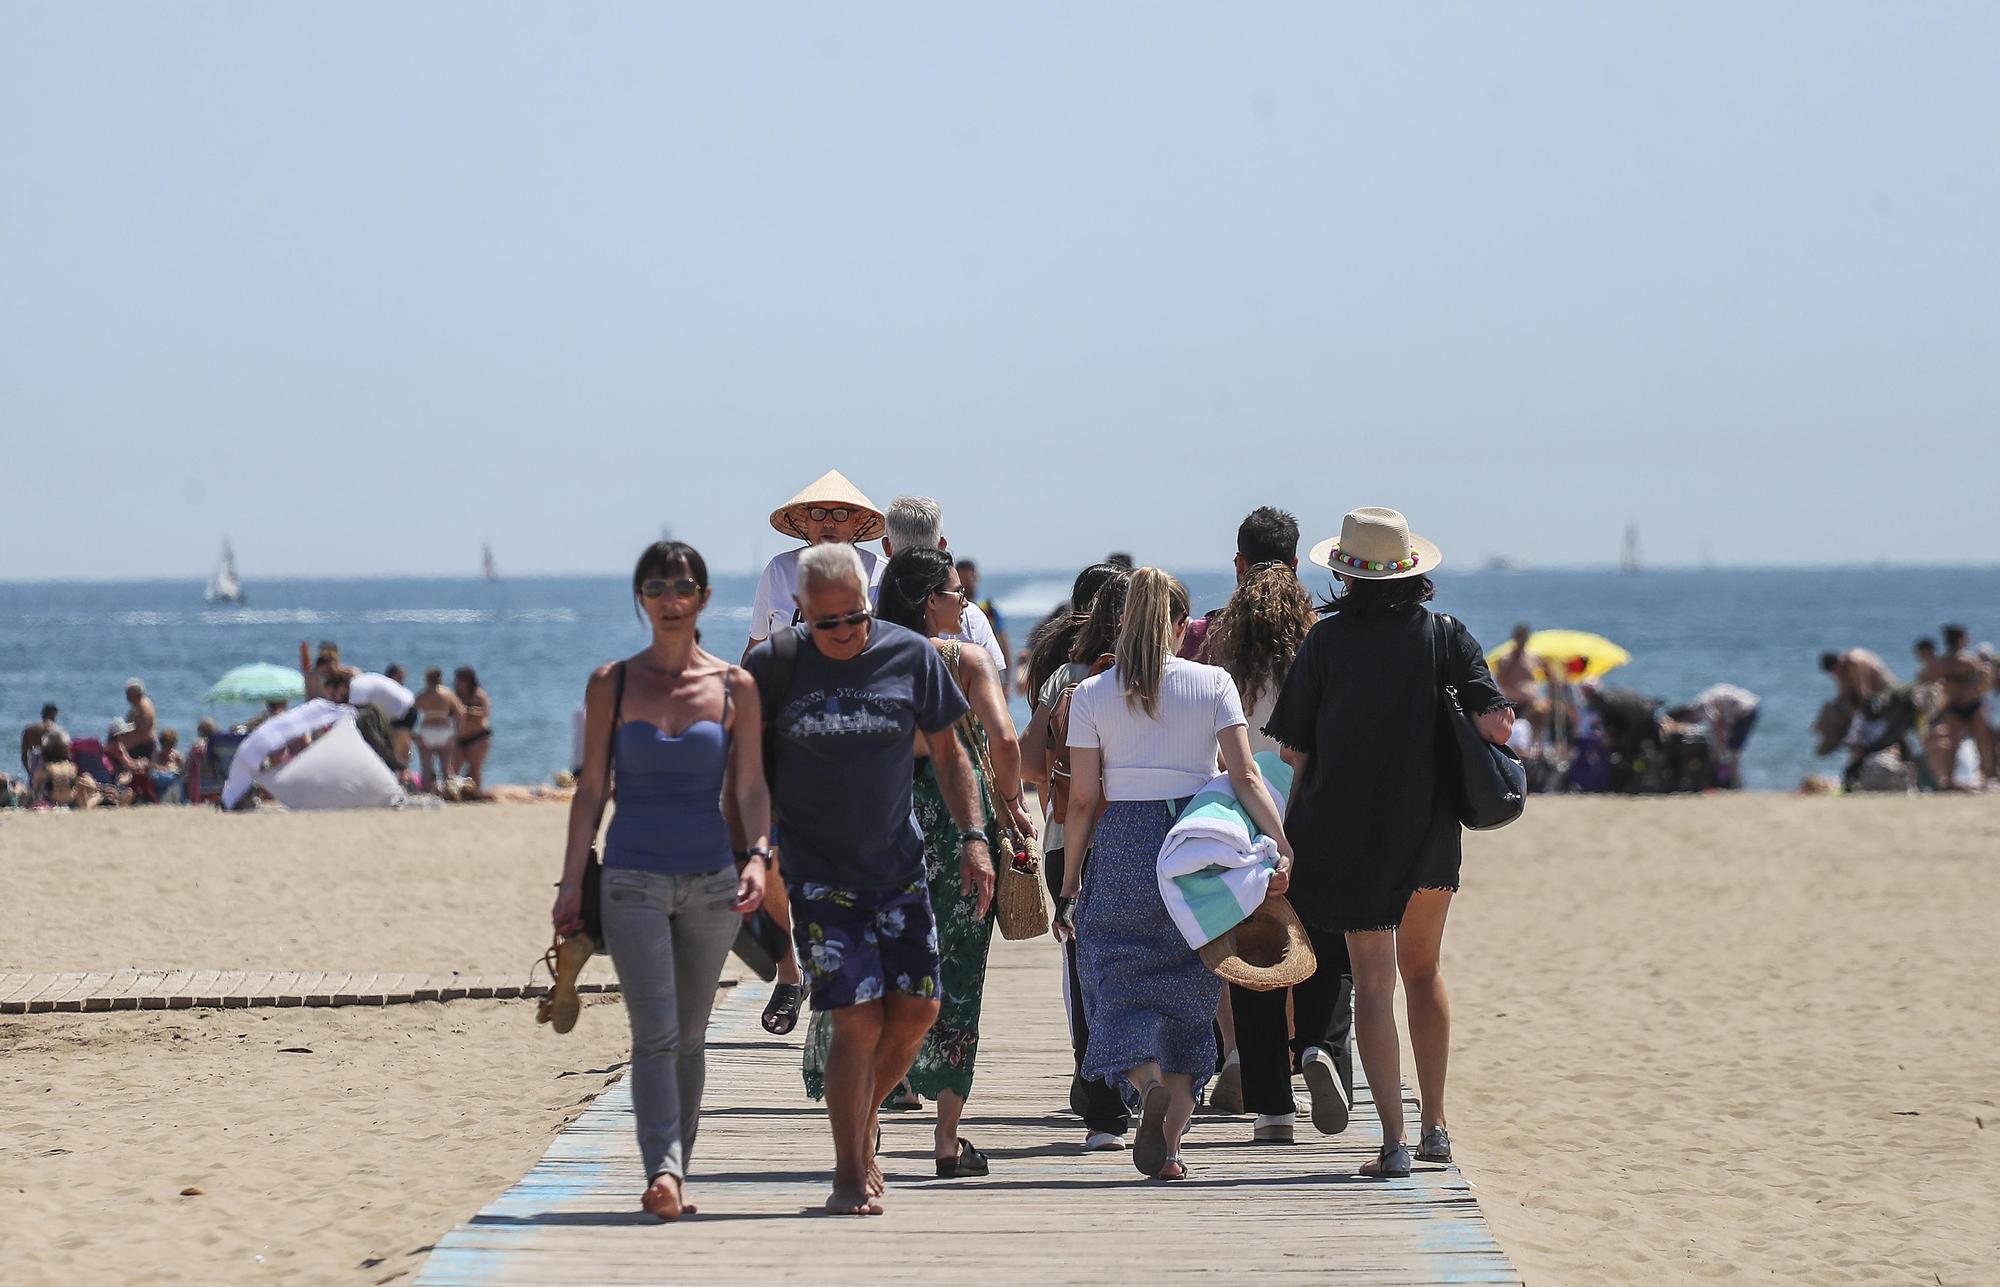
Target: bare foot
666,1198
848,1202
877,1186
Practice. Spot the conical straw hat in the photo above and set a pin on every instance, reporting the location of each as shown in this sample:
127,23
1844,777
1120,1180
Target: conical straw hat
1268,951
1376,544
829,489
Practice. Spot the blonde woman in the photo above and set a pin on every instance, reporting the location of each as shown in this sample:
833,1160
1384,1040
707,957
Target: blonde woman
1143,739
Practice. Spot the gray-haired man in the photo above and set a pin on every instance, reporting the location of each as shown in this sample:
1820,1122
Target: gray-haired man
859,696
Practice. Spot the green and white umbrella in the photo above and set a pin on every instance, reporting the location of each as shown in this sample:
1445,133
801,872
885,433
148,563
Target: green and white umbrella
260,681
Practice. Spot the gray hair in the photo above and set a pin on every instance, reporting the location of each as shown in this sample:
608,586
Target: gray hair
834,563
914,523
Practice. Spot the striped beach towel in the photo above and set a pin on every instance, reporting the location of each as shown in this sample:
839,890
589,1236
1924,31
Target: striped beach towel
1214,864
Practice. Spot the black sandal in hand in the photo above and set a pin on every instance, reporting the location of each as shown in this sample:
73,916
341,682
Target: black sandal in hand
781,1012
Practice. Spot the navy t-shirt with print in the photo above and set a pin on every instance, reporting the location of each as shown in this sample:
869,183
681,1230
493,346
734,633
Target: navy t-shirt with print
846,755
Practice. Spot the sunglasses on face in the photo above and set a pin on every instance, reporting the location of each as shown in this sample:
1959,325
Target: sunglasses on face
958,594
835,623
820,514
683,587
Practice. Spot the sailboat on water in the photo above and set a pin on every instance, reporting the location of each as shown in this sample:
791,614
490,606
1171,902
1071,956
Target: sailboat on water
486,563
225,586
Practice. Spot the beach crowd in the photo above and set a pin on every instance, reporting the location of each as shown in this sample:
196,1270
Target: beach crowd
1898,736
856,778
434,740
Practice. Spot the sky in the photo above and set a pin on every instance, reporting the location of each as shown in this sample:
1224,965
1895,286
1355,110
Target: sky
363,286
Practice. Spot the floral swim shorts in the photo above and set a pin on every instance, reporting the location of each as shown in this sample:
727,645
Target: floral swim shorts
856,944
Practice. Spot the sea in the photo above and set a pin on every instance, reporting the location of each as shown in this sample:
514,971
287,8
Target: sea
533,641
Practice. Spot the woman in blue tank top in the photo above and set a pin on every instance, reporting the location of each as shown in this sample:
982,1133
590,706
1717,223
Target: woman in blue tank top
675,729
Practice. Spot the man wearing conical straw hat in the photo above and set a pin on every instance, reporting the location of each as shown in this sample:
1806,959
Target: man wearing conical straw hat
827,509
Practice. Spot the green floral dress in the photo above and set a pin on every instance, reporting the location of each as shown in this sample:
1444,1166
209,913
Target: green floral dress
945,1060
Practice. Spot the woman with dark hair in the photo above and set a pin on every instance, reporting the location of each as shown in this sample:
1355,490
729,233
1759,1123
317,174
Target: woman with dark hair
1375,828
1153,724
1050,648
1255,637
677,729
475,729
921,592
1105,1117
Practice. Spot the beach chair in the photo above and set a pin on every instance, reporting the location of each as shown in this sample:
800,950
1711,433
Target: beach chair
208,771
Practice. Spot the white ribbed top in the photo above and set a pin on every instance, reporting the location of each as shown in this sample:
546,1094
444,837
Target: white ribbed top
1163,758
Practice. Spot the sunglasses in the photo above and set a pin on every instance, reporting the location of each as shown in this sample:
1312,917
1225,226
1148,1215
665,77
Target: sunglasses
835,623
958,594
683,587
820,514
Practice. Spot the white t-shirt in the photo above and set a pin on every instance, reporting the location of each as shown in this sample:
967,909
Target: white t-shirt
1260,715
1163,758
773,607
381,692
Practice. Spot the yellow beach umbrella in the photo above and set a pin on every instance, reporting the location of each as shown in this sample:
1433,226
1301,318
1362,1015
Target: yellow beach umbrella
1600,656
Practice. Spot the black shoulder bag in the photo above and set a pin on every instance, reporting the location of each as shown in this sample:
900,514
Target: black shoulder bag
593,870
1487,784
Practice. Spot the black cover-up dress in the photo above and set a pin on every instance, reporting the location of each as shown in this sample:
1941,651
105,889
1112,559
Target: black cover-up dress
1369,820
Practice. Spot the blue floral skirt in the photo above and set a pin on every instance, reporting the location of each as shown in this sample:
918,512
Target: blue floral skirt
1146,994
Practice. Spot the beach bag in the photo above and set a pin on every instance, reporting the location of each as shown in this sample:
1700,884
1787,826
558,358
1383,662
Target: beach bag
1058,744
1020,898
1487,785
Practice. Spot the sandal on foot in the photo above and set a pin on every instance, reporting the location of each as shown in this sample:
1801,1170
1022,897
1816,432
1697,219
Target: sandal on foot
1149,1148
1435,1146
781,1012
564,961
1392,1162
903,1099
969,1162
1172,1169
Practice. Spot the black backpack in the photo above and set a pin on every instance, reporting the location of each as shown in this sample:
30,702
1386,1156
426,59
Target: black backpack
771,696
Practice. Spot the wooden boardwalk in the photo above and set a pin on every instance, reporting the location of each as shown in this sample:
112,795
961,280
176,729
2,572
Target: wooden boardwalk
226,989
1049,1214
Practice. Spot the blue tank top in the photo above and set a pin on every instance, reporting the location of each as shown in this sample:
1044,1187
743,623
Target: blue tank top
668,816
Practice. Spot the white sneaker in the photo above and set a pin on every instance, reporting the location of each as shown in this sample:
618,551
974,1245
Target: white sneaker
1274,1128
1329,1097
1103,1142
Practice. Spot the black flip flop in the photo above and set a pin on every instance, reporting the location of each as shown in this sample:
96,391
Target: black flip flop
969,1162
781,1012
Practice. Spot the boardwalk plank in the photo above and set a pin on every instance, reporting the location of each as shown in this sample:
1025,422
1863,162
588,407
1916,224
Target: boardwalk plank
1048,1214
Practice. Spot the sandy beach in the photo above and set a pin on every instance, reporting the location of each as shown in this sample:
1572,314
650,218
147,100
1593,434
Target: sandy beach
1697,1039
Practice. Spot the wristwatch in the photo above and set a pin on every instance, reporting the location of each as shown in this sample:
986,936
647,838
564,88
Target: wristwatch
756,851
967,837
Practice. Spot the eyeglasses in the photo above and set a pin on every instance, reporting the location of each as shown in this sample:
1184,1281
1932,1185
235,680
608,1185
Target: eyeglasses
683,587
958,594
820,513
835,623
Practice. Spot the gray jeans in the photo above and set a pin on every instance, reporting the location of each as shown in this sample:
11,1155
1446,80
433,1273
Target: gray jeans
669,936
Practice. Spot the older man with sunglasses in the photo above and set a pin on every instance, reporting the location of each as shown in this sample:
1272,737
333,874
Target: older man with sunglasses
860,694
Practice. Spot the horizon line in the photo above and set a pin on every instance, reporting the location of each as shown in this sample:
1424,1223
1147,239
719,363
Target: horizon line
1483,570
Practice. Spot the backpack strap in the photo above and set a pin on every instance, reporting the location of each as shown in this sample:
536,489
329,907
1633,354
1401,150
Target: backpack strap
777,687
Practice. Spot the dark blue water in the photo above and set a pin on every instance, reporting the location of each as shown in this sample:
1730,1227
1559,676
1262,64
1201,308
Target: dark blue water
534,642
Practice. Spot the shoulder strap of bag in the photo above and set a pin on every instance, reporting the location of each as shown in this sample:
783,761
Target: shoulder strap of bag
611,739
1445,687
778,686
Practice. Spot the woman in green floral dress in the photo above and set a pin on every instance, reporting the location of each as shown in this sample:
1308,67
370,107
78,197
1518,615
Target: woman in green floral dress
920,590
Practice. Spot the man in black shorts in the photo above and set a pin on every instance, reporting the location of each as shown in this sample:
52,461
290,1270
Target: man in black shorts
844,730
